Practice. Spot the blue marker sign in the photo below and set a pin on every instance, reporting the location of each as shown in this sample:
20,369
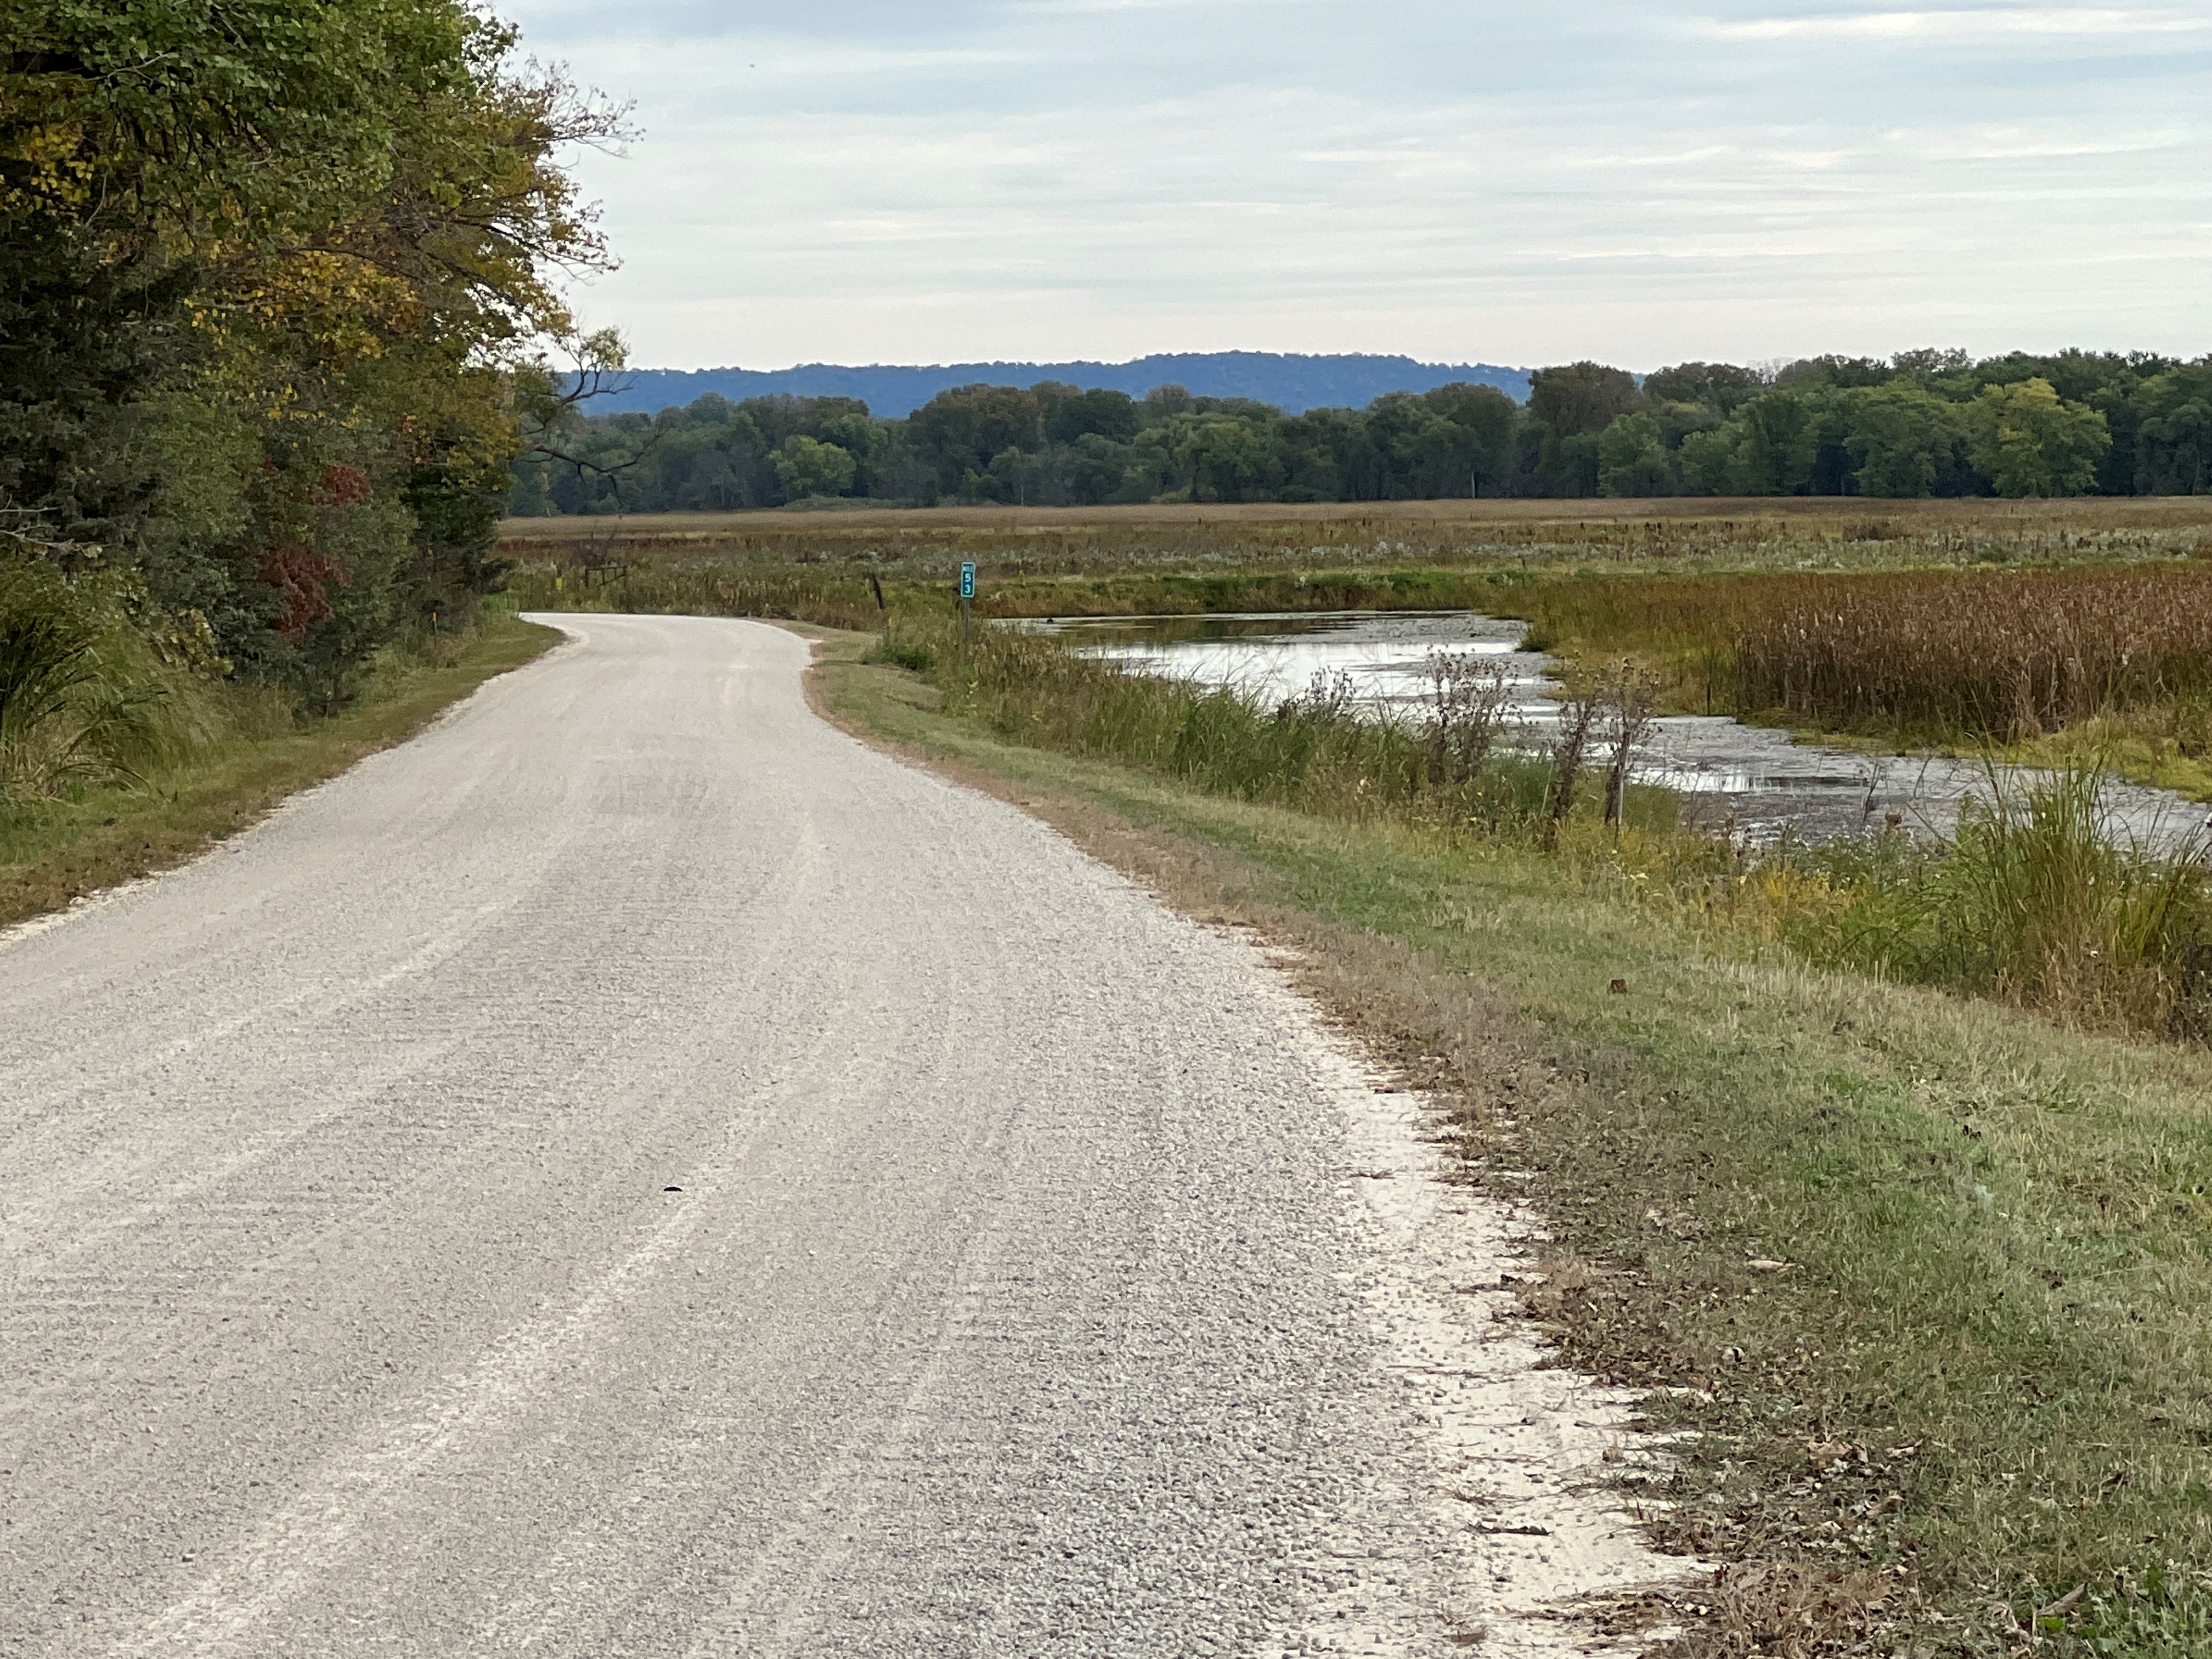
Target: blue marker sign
967,581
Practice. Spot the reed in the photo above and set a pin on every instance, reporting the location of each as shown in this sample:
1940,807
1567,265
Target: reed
1915,654
2008,656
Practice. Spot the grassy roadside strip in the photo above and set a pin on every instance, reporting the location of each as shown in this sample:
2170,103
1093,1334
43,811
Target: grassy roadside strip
1926,1279
56,853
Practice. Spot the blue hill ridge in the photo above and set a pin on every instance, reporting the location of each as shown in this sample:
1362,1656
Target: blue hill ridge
1292,382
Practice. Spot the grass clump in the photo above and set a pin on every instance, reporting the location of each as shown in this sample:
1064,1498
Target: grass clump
206,758
2037,899
85,698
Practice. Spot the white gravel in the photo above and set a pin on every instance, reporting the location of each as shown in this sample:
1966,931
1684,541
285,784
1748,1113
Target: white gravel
635,1172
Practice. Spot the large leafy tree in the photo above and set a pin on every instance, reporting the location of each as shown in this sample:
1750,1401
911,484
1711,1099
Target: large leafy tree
1901,437
2174,434
958,432
2032,442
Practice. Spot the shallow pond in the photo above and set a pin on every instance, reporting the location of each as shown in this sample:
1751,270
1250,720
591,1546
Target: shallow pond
1727,774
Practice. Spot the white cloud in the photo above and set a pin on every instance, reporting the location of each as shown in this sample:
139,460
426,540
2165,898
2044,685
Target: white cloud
1973,25
1455,181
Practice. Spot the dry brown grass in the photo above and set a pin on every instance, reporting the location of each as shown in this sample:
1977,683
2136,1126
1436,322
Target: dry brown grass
1979,653
1942,655
1780,1610
1861,518
1016,545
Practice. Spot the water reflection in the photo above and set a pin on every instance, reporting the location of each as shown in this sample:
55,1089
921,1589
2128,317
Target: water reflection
1752,780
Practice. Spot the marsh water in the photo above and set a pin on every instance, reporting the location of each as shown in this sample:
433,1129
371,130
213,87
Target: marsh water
1750,780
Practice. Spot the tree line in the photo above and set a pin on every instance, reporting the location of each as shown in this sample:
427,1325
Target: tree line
1923,423
273,279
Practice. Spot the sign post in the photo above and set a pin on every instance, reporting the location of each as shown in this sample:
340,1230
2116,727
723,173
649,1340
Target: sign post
967,594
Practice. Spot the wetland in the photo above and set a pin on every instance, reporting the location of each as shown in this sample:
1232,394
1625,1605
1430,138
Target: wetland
1731,777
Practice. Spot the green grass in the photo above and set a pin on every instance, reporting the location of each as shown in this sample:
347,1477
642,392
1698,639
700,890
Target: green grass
1996,1303
53,851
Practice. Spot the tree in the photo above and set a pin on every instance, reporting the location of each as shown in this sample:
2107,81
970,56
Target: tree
1107,414
810,467
1929,362
1810,372
2174,434
320,240
1632,459
1779,440
1581,397
1475,456
1723,387
1232,459
959,432
1707,461
1900,436
1571,404
2030,443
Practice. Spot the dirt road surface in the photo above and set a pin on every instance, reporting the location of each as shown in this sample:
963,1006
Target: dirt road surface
635,1172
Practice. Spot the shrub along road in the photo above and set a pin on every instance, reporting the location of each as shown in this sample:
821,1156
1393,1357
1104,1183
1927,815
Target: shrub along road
635,1171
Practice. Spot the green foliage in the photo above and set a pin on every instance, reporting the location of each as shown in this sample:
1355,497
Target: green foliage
2034,900
1632,459
1926,424
2174,429
84,699
1901,436
270,277
807,466
2031,443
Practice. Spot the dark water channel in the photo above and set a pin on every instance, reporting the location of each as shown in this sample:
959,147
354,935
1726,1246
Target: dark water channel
1726,774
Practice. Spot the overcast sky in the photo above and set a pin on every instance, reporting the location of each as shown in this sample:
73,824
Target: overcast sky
943,180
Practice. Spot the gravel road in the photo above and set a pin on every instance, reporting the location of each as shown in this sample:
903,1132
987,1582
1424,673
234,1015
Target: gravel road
635,1172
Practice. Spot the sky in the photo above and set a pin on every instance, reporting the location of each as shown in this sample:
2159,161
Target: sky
921,181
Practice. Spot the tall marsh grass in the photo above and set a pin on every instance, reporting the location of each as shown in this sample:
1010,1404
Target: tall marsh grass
2001,655
1946,655
699,588
2036,899
1019,546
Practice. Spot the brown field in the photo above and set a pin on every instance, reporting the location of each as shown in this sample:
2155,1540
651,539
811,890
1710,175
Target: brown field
1047,546
2151,512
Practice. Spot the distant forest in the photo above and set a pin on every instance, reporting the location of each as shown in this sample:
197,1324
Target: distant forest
1924,423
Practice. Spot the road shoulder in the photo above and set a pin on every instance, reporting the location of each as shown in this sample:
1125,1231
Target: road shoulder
59,853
